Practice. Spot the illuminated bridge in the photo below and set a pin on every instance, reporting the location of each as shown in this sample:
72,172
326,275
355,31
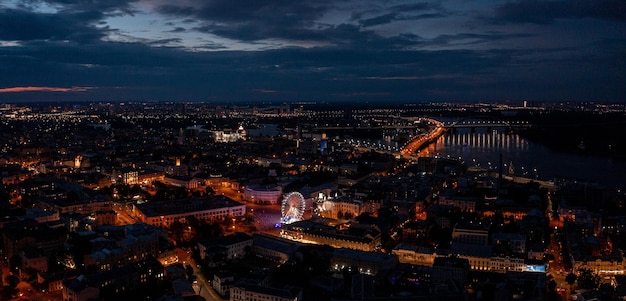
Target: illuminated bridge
421,140
436,129
468,123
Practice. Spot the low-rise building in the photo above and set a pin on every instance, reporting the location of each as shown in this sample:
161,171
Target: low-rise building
511,262
53,282
105,217
234,245
262,194
516,242
86,206
181,181
601,265
228,135
365,262
478,256
115,245
273,247
175,271
354,236
244,291
34,259
413,254
42,216
465,204
49,237
221,282
341,207
450,268
163,214
128,175
105,285
471,233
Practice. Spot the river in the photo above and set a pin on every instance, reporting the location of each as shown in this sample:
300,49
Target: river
482,148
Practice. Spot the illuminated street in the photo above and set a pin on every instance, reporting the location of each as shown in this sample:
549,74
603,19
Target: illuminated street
421,140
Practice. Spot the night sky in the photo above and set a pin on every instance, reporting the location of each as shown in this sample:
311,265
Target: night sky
312,50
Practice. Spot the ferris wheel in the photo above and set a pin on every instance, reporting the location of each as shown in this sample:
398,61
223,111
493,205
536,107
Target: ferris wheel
292,208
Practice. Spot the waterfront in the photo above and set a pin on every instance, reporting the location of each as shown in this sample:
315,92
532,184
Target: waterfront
532,160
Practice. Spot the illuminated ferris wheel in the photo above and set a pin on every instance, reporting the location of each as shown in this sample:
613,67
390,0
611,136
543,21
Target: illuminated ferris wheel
292,208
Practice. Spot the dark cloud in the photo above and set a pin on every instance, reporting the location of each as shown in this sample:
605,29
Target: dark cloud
341,35
181,11
137,71
105,6
402,12
253,20
165,41
545,12
382,19
473,39
22,25
75,20
391,17
350,59
177,29
266,12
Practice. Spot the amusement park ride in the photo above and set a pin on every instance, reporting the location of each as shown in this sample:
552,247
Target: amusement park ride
292,208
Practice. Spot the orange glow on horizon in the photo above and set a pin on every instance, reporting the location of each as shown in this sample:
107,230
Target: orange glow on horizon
43,89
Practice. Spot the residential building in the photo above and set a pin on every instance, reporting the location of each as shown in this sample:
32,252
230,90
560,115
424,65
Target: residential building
273,247
414,254
234,245
450,268
244,291
365,262
163,214
471,232
263,194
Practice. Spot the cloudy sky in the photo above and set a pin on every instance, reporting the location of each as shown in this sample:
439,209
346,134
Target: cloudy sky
312,50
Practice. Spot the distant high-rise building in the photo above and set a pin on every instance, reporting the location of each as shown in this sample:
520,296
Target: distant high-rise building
323,144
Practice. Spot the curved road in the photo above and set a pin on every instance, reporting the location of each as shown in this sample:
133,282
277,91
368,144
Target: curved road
419,141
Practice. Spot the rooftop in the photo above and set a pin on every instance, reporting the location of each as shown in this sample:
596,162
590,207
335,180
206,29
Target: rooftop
153,209
287,292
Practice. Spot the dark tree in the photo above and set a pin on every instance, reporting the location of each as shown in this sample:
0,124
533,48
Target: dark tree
588,279
607,291
552,293
159,185
13,281
15,262
177,230
209,190
570,278
190,273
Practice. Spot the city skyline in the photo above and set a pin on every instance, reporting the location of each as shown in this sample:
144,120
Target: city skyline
351,51
173,201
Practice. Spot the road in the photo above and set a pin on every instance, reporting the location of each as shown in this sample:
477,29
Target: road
556,267
124,216
419,141
522,180
201,286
